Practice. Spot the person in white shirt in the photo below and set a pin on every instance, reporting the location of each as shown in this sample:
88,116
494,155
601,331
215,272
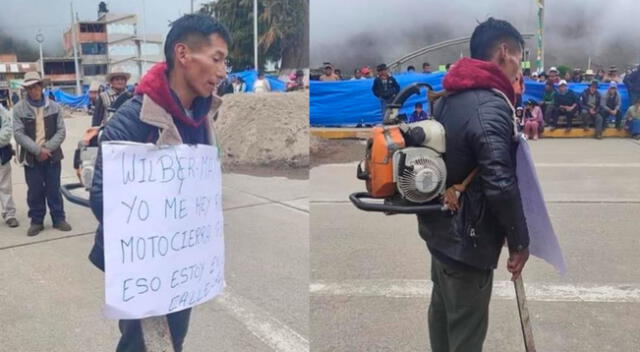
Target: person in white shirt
261,85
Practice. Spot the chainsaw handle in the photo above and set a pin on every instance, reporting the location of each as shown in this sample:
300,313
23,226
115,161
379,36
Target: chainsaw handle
357,200
410,90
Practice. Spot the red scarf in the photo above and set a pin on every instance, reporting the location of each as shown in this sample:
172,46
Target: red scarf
467,74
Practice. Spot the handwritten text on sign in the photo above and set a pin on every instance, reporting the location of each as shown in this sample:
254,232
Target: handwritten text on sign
163,240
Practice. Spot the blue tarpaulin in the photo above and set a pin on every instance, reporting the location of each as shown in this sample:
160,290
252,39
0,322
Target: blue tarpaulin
352,103
71,100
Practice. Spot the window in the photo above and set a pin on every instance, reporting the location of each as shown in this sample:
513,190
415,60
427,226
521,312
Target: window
94,70
92,28
94,48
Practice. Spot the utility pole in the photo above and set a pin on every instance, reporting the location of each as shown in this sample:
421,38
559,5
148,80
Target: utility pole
191,6
540,56
40,40
75,51
255,34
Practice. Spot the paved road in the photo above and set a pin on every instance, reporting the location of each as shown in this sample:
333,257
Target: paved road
369,273
51,296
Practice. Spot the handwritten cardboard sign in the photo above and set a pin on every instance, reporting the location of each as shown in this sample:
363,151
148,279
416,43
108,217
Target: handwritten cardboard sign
163,238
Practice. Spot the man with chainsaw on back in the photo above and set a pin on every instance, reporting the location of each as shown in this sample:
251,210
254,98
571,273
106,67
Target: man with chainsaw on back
478,116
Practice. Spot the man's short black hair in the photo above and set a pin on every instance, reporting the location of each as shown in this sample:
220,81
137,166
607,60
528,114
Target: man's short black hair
193,30
489,34
426,64
419,105
411,68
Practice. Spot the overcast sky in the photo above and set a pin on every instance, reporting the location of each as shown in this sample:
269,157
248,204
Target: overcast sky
23,18
383,30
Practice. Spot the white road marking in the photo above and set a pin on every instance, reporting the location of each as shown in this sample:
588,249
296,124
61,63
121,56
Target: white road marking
503,290
274,333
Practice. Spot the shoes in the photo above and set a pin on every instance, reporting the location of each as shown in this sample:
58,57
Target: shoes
62,226
34,229
13,222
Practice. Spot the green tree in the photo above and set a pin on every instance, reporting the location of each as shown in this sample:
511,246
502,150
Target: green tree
283,30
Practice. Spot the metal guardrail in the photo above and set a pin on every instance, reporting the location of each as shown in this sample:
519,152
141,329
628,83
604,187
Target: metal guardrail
440,45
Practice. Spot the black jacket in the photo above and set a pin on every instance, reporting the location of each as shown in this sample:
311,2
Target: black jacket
632,81
567,99
386,90
479,133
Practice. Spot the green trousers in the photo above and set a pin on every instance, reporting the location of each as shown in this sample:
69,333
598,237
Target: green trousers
459,309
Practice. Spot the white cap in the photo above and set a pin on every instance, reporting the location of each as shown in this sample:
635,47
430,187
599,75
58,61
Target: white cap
553,68
562,81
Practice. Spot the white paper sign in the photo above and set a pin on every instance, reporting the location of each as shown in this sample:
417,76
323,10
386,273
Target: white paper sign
163,238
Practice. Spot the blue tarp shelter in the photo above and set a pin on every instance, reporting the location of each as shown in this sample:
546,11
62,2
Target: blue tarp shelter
352,103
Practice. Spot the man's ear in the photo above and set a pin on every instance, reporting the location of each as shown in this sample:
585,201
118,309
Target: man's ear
503,52
181,51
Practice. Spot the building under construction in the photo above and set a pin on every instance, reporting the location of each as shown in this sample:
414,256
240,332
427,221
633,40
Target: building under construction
111,40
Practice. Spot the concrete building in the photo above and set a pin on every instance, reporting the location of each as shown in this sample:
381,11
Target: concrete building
61,71
11,74
92,50
112,40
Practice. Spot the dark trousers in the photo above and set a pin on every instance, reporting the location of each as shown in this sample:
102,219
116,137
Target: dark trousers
459,309
570,115
43,185
132,340
595,119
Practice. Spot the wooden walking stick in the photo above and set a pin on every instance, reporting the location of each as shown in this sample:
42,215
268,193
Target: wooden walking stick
525,321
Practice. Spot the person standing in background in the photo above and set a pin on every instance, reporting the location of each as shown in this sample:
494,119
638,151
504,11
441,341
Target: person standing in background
261,85
38,127
6,154
118,80
385,87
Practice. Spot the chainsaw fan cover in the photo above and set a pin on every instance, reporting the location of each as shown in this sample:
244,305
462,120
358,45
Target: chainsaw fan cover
420,174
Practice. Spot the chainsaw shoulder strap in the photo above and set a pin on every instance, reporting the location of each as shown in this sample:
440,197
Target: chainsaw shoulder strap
437,101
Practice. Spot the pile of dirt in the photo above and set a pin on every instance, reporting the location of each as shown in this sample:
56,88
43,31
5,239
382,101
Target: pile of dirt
266,130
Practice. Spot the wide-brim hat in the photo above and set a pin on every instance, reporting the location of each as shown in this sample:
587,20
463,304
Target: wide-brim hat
613,68
33,77
381,67
117,72
589,72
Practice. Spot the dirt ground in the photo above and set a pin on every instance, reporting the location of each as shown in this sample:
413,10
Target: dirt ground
335,151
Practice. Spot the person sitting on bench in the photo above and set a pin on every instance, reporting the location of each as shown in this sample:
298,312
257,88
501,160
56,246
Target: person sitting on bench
566,103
